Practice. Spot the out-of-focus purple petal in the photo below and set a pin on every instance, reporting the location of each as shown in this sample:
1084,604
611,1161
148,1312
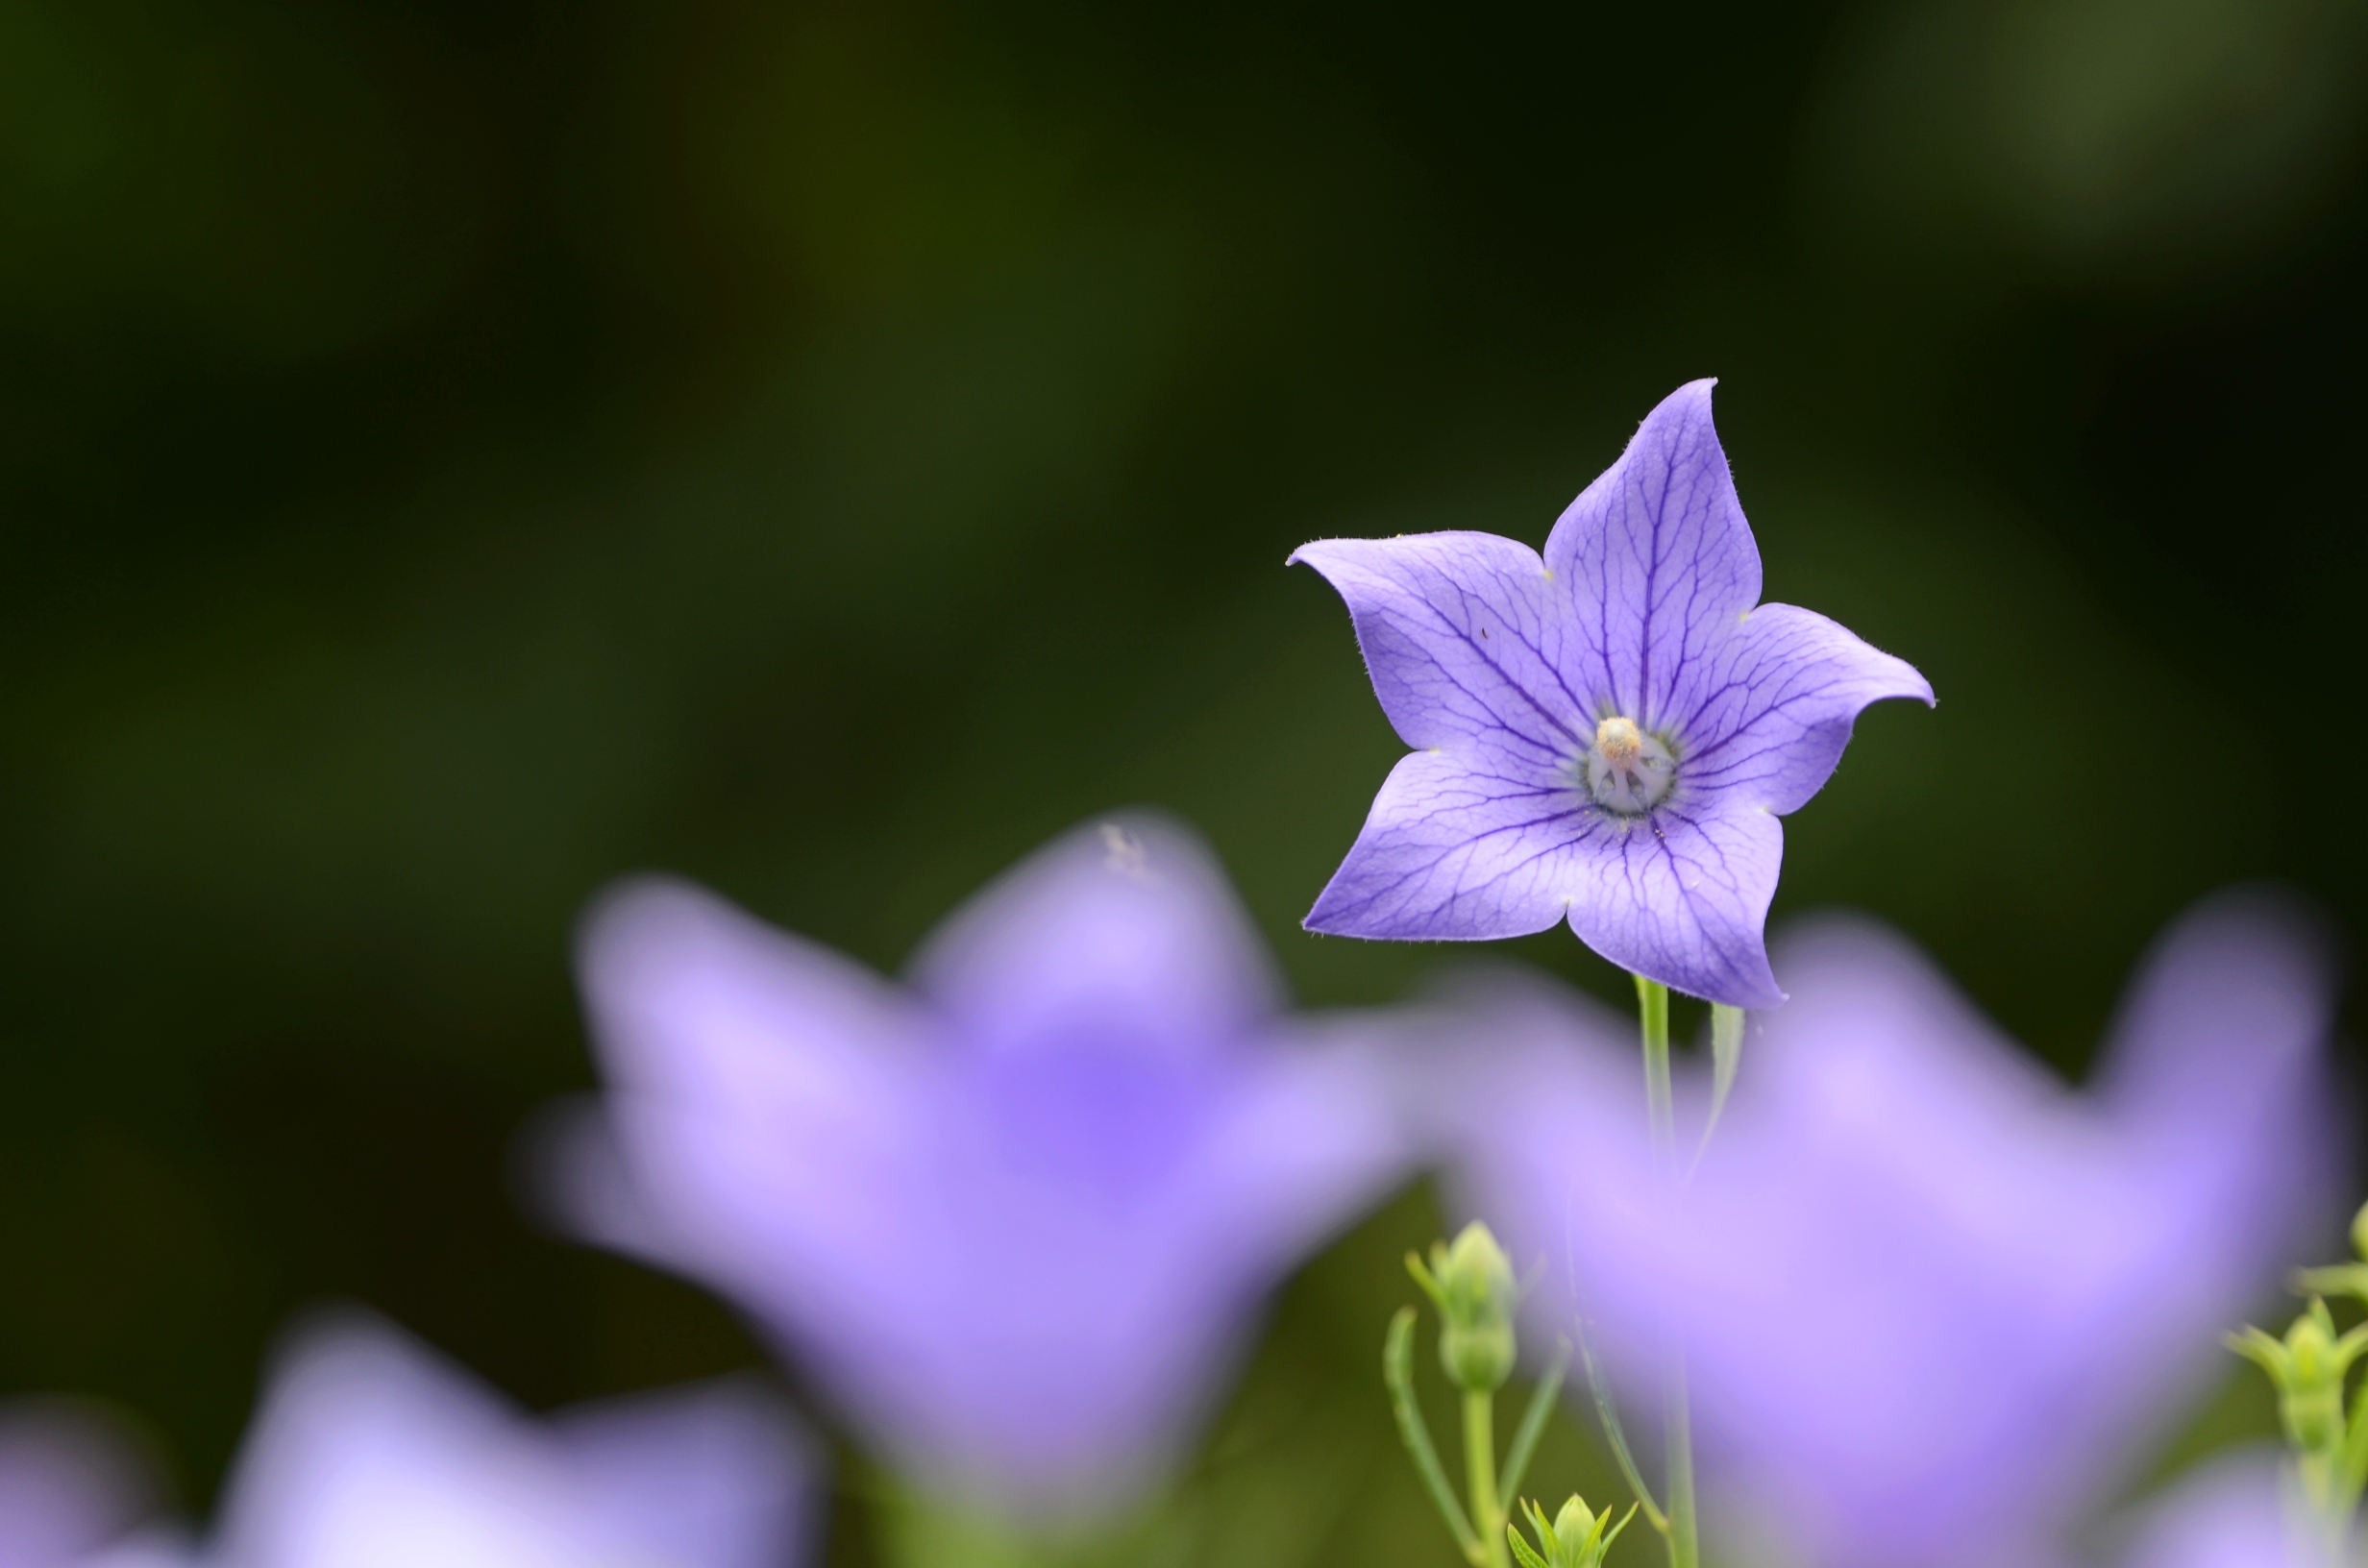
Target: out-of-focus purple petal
371,1453
71,1483
1656,562
1682,899
2234,1511
1054,1181
160,1548
1770,709
714,1477
1122,939
1931,1301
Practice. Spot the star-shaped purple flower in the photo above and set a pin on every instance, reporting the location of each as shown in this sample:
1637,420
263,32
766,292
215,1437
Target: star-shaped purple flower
1013,1215
1607,735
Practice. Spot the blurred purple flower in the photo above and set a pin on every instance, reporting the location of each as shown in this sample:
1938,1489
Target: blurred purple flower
1012,1216
2232,1512
371,1453
73,1489
1606,735
1931,1303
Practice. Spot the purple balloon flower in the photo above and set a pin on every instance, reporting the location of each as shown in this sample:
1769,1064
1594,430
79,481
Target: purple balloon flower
372,1453
74,1491
1607,735
1012,1215
1929,1303
2235,1511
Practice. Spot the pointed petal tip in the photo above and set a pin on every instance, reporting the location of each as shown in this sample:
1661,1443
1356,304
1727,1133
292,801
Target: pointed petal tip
1689,394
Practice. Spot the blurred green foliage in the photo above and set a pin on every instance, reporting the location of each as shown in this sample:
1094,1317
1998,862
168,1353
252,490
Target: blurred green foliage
455,454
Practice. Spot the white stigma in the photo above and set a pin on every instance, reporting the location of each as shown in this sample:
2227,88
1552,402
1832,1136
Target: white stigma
1628,771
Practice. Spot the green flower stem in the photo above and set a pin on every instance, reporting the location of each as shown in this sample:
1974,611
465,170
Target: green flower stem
2351,1471
1532,1428
1653,1005
1684,1529
1685,1533
1397,1372
1609,1415
1487,1515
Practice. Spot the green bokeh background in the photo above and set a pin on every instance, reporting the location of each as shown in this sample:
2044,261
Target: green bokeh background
453,452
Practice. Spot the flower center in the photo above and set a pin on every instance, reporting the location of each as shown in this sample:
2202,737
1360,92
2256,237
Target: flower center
1628,771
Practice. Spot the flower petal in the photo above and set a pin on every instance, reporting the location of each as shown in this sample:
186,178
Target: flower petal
1452,852
1768,713
1462,638
1656,561
370,1450
1900,1342
1682,898
1122,933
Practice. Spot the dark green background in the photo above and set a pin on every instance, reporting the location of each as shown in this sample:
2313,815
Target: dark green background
454,453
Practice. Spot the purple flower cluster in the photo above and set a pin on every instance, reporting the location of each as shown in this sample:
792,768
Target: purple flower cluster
1015,1213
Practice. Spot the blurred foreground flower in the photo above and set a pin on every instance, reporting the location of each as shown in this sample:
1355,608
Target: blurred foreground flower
2231,1512
1608,734
73,1491
1013,1217
1931,1303
371,1453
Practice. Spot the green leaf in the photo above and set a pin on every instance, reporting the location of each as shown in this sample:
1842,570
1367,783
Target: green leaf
1726,1055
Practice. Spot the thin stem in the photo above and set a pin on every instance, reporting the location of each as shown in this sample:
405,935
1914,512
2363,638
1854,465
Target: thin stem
1609,1415
1684,1533
1480,1461
1653,1006
1533,1426
1397,1371
1684,1529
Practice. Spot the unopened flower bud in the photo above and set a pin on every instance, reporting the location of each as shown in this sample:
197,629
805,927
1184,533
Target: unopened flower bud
1472,1285
2311,1402
1573,1526
2359,1233
2309,1367
1577,1538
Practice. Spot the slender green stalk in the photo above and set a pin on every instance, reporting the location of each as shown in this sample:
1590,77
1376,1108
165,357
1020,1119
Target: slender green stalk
1684,1533
1532,1428
1397,1371
1684,1529
2352,1469
1487,1515
1653,1006
1609,1415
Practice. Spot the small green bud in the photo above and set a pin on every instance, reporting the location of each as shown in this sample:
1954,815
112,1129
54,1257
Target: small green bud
1575,1526
1472,1282
2312,1405
1577,1538
2359,1233
2309,1367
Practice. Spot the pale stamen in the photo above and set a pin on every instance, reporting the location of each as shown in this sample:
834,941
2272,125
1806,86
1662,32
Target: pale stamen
1628,771
1620,740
